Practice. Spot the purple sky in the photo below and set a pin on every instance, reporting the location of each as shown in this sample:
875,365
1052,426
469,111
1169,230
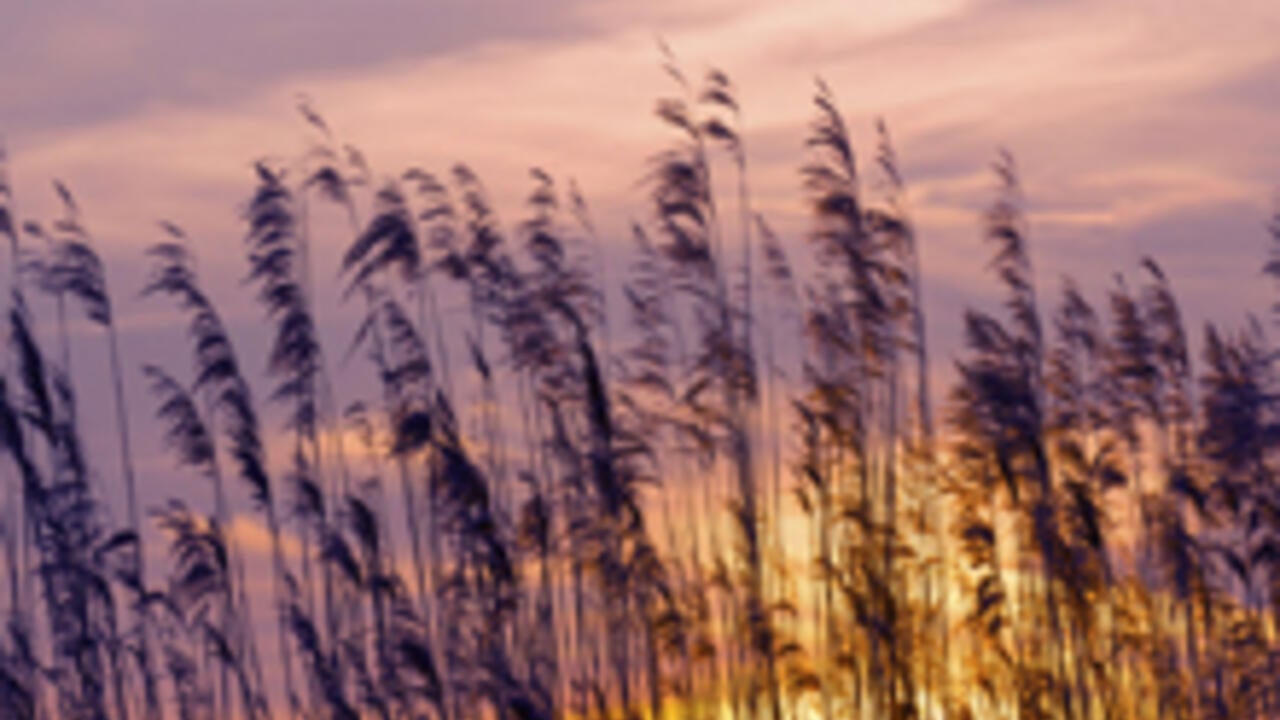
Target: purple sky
1143,127
1140,127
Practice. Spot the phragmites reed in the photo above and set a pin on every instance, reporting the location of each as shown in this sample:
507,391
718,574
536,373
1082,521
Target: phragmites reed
711,485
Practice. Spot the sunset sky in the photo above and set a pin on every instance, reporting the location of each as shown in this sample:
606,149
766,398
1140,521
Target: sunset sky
1145,127
1140,127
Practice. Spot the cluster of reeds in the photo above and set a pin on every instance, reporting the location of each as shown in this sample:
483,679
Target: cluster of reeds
719,492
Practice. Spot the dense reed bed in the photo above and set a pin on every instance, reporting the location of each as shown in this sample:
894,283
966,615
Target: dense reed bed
723,489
